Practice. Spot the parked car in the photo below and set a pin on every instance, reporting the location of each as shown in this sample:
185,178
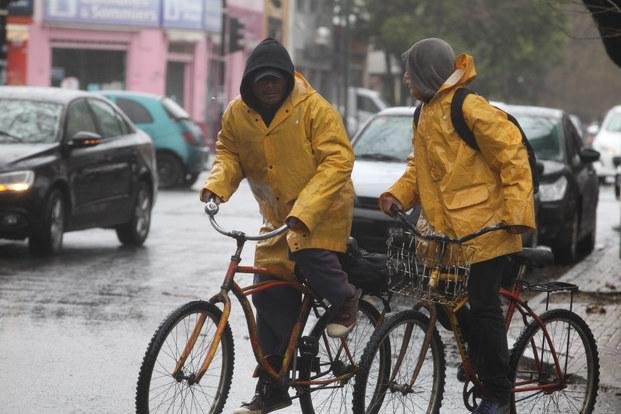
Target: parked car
181,147
569,188
608,143
381,148
71,160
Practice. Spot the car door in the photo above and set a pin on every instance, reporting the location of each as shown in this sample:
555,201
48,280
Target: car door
584,175
86,168
119,152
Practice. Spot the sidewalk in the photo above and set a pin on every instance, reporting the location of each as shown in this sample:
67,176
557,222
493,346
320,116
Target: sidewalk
599,303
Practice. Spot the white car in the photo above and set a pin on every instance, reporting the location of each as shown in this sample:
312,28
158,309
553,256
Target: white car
381,148
608,143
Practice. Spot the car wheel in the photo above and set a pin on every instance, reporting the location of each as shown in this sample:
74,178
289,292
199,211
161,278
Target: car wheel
135,232
169,170
587,245
566,249
47,236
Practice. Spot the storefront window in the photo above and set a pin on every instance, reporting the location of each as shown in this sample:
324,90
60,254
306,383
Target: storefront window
93,69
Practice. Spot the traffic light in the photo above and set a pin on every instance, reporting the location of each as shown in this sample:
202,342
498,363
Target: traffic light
236,35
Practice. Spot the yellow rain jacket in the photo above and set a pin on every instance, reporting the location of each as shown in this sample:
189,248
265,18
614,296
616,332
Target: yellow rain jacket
298,166
462,190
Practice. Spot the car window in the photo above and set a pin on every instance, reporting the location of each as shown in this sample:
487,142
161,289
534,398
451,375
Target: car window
614,125
544,134
110,123
367,104
79,118
135,111
30,121
385,138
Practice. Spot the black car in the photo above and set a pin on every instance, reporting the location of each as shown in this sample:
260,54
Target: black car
71,160
569,188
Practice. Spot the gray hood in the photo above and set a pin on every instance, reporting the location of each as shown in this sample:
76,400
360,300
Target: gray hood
430,62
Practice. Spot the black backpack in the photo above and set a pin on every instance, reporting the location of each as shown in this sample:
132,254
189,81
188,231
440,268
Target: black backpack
459,123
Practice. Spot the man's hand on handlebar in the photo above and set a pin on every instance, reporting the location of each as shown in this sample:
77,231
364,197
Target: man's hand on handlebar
206,195
296,225
389,205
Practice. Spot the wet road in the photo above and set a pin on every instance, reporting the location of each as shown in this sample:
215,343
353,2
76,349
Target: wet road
74,328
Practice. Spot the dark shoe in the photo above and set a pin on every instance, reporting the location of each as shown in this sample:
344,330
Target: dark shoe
345,320
269,396
491,407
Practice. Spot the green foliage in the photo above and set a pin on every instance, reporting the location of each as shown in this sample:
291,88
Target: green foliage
514,42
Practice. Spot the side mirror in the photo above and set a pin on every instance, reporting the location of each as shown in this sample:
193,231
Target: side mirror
616,161
588,155
85,139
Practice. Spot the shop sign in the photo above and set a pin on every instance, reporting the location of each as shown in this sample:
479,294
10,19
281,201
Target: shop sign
183,14
212,19
113,12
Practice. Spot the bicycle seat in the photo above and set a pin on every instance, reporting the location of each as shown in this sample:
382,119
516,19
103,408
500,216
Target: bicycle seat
534,256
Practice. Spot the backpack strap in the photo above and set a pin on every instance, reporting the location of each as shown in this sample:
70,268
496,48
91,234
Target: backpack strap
457,118
417,114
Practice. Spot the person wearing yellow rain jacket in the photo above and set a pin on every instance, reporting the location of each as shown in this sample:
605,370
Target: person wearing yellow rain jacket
290,145
461,190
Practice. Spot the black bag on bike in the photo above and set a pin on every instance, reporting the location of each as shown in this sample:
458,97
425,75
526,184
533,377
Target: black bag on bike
365,270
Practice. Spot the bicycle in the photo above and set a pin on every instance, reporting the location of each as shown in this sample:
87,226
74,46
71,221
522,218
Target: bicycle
554,361
188,365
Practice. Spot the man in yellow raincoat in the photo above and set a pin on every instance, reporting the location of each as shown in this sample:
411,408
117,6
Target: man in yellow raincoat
462,190
291,146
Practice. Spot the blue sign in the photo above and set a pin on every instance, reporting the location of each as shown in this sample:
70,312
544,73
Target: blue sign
113,12
183,14
212,19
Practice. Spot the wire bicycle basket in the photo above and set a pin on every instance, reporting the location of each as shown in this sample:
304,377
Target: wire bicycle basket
434,269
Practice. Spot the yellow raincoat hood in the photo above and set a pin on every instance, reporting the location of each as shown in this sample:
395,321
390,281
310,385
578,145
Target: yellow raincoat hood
298,166
462,190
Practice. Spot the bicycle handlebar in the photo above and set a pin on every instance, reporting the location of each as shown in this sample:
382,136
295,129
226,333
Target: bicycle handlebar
212,208
436,237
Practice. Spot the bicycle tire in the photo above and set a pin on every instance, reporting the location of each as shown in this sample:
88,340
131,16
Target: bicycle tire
339,400
166,345
574,355
434,368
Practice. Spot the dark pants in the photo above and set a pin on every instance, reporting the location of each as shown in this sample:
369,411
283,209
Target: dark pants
484,330
278,308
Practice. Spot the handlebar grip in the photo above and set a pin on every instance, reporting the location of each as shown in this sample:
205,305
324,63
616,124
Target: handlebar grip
394,210
211,207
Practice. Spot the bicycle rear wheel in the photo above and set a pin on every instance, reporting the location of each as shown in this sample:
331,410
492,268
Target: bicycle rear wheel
335,398
387,390
534,367
158,391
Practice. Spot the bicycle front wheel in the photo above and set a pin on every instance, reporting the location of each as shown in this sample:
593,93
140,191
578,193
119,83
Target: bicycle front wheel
334,360
388,390
158,391
538,387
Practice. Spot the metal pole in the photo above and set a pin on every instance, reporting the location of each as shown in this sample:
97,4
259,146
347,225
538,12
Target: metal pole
346,56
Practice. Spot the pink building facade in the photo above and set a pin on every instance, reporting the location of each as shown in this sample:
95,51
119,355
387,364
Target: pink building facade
164,47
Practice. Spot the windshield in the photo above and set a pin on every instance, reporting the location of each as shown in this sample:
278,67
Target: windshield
614,125
174,110
26,121
385,138
544,135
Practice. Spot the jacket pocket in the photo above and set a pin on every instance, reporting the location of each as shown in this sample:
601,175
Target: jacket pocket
466,197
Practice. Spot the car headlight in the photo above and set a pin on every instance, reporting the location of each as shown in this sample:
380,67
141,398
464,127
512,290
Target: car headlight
553,191
16,181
